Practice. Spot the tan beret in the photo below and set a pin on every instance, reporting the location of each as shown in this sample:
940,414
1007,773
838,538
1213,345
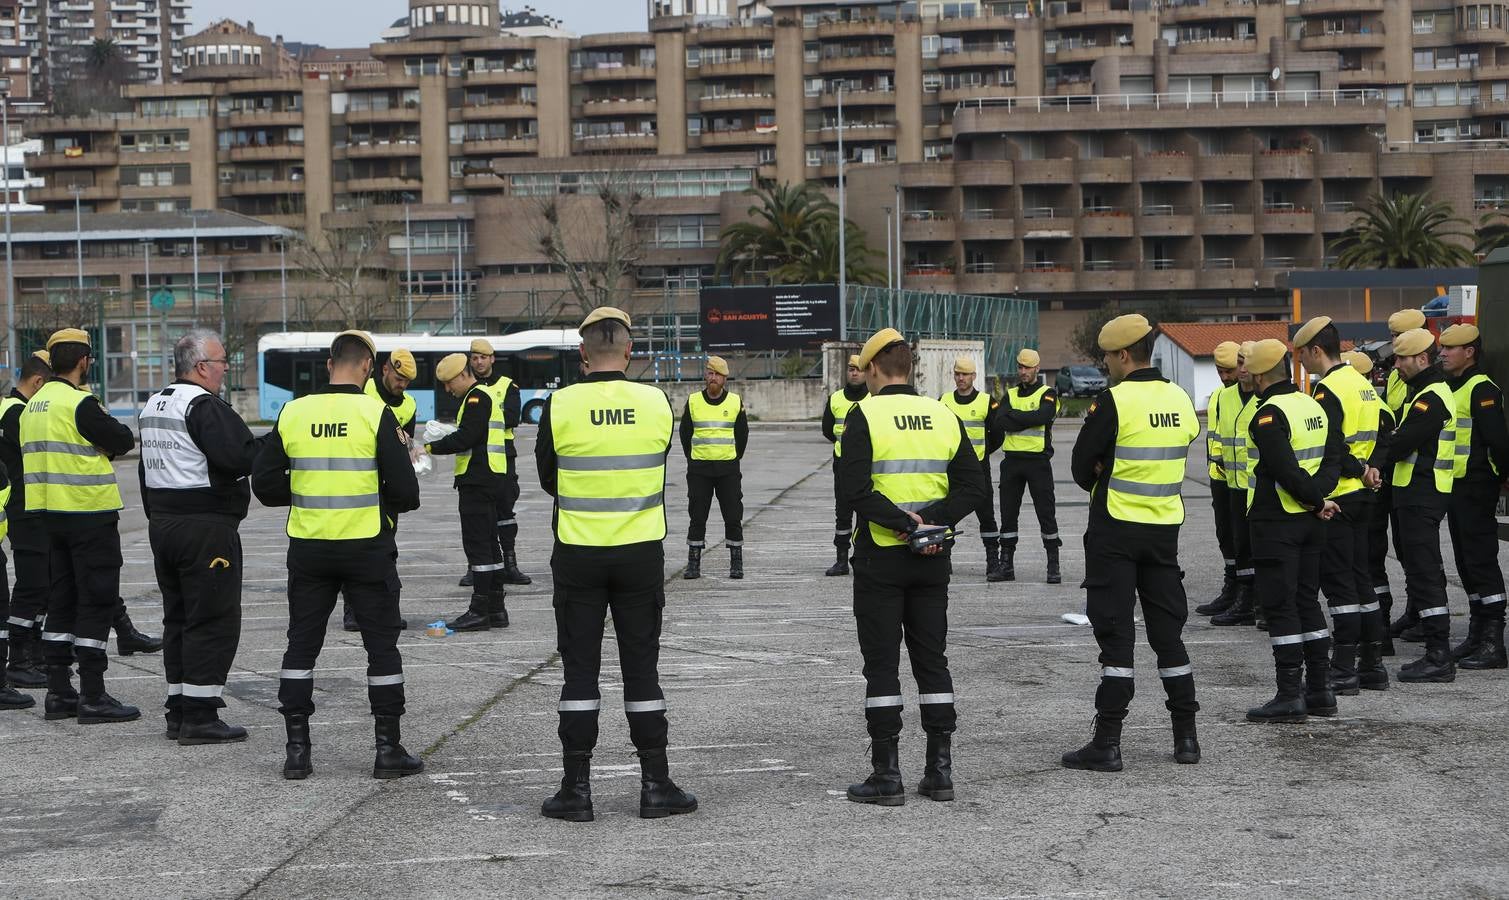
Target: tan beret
606,312
1406,320
854,361
44,356
450,367
718,364
1226,354
1029,358
882,339
1123,331
964,365
1245,349
1358,360
68,336
482,346
403,363
1459,335
360,335
1266,356
1307,334
1413,342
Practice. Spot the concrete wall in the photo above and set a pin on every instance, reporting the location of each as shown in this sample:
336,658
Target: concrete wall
795,399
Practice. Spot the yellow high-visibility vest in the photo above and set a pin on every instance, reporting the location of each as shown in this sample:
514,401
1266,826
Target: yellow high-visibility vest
64,472
610,441
404,412
1243,457
713,426
1446,444
499,392
1155,424
1396,392
912,439
1361,410
1307,437
1028,440
497,434
840,405
1462,404
1225,406
331,444
973,414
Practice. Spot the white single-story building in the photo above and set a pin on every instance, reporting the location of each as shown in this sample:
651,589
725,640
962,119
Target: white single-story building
1184,352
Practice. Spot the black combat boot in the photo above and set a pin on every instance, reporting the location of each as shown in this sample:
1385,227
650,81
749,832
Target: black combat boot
103,709
938,772
392,761
992,554
25,668
497,609
883,787
658,795
1435,667
1103,753
1222,600
466,580
297,766
475,618
841,564
1259,616
736,563
1344,679
205,727
1054,576
573,802
1320,700
693,563
1474,638
1371,673
1006,569
1186,744
10,698
511,573
348,619
62,701
127,639
1490,654
1240,611
1288,705
173,724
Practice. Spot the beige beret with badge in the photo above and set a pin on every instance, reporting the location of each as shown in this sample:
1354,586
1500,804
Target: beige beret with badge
885,337
1226,354
1029,358
717,364
482,346
1413,342
606,313
1265,356
1406,320
450,367
964,365
68,336
1359,361
403,363
1311,328
360,335
854,361
1459,335
1123,331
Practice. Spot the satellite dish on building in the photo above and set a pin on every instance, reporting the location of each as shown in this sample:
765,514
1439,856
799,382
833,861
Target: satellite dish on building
1276,74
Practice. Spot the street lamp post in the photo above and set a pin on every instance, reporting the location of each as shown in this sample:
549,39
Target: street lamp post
11,349
889,269
843,261
194,289
77,191
283,277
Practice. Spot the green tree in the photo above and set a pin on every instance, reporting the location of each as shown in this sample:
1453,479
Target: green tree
89,79
1084,339
793,238
1493,232
1404,231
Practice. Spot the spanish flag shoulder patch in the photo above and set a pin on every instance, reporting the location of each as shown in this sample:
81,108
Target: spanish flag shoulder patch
472,401
1421,405
1487,401
1265,420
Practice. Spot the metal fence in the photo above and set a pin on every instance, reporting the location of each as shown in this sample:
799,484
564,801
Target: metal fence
1004,324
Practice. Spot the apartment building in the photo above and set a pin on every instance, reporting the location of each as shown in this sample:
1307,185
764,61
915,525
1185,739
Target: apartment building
149,31
1072,151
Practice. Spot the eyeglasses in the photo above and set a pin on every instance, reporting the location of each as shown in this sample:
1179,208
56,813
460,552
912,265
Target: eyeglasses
224,362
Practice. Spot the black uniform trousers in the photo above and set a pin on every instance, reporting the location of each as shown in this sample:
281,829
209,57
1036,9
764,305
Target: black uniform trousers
29,547
901,596
1241,535
366,571
1286,553
507,523
198,564
1379,521
704,479
478,504
84,563
1220,505
843,514
1471,519
1424,574
590,583
1127,563
1033,474
1345,575
986,511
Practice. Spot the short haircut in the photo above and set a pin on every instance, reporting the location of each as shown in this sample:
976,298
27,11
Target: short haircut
34,367
605,337
66,357
1476,346
349,350
191,350
1328,341
894,361
1142,350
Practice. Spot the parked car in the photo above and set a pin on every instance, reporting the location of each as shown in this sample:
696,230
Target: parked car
1080,381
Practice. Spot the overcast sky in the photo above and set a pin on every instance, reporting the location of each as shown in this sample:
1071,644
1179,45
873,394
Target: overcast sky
356,23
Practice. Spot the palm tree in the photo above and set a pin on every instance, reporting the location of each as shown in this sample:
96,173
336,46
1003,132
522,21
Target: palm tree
1493,232
1404,231
793,238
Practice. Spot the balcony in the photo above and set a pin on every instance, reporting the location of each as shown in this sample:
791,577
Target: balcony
1044,171
1115,112
62,193
986,278
858,98
929,277
861,131
745,137
1088,18
97,123
1103,171
1047,223
386,184
987,225
1373,73
254,153
749,65
926,175
1209,11
1224,274
953,96
497,111
839,28
1224,167
1165,167
982,22
1067,53
262,118
927,226
407,113
383,149
613,142
864,63
250,188
1046,278
494,77
1346,165
1216,44
1165,220
1107,275
1285,165
615,73
984,172
1309,8
1225,219
1165,275
1371,37
1105,222
737,103
60,160
1002,54
1286,218
505,146
1405,164
1336,216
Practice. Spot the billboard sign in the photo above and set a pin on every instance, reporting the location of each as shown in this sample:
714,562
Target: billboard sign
786,317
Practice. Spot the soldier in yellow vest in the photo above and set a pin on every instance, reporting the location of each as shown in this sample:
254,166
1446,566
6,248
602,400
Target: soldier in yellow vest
1299,450
339,461
714,432
506,396
1480,466
1422,451
391,387
482,465
1239,462
67,443
10,698
28,538
1221,410
907,462
974,409
1130,456
1351,404
1376,525
835,411
1024,423
1386,522
601,454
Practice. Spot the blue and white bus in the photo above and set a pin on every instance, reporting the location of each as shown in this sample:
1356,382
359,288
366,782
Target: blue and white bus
292,364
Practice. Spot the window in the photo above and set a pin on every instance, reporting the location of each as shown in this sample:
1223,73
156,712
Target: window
931,45
693,57
931,82
814,157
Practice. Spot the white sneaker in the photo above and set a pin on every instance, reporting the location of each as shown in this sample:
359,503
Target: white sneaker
1075,618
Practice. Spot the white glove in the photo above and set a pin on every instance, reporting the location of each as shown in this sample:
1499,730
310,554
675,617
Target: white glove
424,464
434,431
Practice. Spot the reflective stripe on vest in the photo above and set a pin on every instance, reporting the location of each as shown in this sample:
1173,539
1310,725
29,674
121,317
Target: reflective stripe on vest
17,478
404,412
912,440
170,459
1446,444
497,436
1225,406
4,519
610,441
64,472
1307,437
1462,404
840,406
331,443
499,392
1361,410
1155,424
1029,440
973,414
713,426
1213,446
1396,392
1243,456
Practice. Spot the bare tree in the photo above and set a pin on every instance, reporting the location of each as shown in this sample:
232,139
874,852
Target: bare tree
596,237
351,260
